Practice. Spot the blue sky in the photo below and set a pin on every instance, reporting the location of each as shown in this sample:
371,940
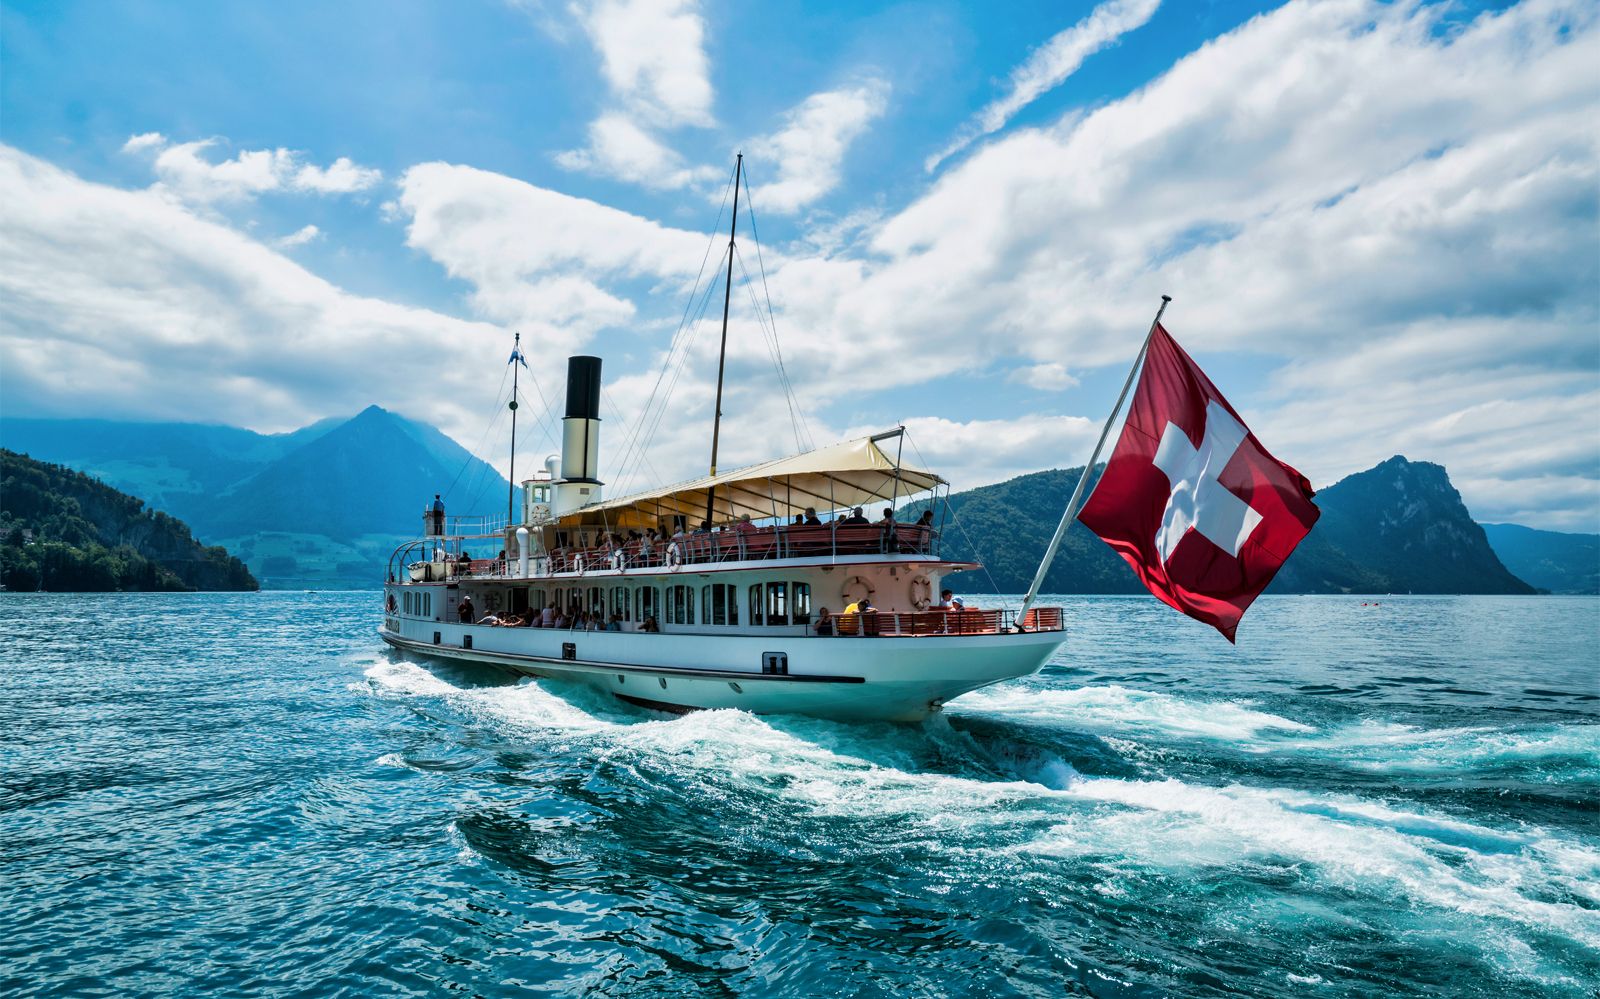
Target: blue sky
1378,221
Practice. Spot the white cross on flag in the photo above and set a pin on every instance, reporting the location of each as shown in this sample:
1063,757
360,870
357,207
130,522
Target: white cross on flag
1191,499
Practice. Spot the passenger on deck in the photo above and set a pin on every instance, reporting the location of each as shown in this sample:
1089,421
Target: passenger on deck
436,515
547,617
856,518
704,528
888,517
615,624
944,601
465,610
811,517
650,625
824,622
799,521
926,520
744,526
490,619
560,620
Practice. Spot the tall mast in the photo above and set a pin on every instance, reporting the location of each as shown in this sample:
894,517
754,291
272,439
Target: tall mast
722,355
511,488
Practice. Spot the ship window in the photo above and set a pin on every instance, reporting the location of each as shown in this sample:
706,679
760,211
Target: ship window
408,601
646,604
800,603
597,599
719,604
427,604
756,608
680,605
619,601
537,598
777,603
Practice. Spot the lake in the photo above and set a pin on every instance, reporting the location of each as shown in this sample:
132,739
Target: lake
246,794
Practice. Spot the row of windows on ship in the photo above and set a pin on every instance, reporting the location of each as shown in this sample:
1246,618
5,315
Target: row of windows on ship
770,603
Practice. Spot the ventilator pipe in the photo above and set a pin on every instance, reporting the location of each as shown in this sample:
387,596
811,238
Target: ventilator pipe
522,553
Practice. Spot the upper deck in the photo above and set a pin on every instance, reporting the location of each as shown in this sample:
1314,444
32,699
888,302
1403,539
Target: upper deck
449,558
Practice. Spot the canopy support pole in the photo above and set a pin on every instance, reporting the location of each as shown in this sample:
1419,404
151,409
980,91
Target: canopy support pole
1078,499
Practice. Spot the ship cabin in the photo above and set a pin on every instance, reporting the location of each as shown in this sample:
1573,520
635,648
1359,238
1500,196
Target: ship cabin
783,553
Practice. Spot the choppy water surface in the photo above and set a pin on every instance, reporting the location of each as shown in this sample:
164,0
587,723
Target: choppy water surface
242,794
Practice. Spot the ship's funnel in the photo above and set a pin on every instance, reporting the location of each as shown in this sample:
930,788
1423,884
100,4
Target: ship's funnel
580,436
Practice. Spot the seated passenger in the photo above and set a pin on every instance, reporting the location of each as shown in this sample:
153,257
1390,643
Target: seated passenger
650,625
744,526
926,520
560,621
824,622
811,517
799,521
944,603
856,518
547,617
888,517
615,624
490,619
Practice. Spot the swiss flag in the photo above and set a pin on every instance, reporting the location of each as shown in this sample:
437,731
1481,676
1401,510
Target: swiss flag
1192,500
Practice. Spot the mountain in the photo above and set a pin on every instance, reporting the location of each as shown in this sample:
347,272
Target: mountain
65,531
321,507
1405,526
1550,560
371,474
1400,527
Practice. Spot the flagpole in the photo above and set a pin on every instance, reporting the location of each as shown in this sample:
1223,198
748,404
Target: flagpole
1076,502
511,491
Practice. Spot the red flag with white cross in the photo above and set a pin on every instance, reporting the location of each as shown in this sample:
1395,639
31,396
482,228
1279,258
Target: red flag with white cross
1191,499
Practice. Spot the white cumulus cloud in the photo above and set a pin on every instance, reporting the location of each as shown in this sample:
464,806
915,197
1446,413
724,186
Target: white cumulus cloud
809,148
186,171
1049,66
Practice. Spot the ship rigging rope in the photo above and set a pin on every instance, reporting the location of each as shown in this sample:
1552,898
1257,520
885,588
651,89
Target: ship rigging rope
632,437
982,562
650,424
770,336
772,323
488,428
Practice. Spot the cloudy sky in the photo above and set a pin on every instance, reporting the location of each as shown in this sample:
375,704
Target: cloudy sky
1380,223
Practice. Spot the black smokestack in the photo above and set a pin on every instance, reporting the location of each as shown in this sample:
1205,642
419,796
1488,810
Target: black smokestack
583,387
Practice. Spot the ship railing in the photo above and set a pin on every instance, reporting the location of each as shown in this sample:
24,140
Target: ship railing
957,622
756,545
436,525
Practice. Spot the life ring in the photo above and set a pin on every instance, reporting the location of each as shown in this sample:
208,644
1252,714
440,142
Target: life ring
616,560
671,557
854,589
921,593
577,564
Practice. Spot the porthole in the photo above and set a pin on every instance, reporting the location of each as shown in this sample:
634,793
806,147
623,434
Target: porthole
663,682
734,686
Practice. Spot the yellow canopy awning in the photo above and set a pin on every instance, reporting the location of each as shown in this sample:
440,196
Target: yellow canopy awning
851,473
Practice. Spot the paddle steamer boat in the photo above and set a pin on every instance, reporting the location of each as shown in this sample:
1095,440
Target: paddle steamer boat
726,618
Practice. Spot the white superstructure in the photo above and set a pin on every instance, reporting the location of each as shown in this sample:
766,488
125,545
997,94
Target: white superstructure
737,608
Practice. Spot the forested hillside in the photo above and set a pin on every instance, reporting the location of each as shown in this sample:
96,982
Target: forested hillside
1397,528
65,531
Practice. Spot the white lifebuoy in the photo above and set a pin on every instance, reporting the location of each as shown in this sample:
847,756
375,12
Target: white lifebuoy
671,557
854,589
921,593
577,564
616,560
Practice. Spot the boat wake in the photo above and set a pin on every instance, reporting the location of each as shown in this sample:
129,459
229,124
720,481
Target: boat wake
1006,780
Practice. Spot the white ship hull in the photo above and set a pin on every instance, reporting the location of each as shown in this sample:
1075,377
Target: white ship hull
846,678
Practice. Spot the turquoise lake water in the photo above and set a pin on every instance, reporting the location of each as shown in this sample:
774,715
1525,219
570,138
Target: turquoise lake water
206,794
